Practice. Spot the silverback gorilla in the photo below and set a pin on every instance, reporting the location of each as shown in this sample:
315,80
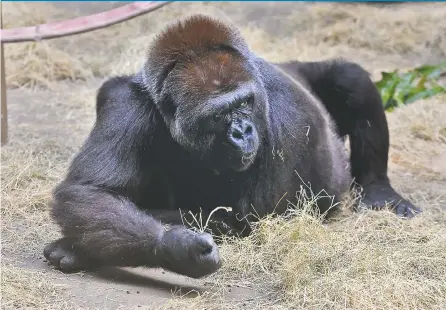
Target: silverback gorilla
200,126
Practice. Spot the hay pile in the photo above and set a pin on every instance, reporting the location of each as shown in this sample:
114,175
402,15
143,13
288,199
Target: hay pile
372,261
30,289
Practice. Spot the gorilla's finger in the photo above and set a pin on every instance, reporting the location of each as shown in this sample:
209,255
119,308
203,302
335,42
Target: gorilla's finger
69,263
204,243
50,249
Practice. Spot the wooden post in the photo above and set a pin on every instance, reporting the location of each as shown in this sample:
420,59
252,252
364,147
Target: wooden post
4,119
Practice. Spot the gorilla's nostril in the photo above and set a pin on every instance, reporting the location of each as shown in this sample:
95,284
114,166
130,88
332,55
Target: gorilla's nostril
205,245
236,134
206,251
248,130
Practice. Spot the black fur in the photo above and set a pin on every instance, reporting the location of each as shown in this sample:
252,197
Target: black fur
161,143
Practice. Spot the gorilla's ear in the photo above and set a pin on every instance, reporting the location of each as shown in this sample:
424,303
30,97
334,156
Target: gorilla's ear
167,109
165,104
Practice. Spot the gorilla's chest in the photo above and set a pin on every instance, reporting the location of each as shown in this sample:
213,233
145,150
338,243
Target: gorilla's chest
186,184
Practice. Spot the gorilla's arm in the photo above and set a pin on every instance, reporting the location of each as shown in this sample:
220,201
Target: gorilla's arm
355,104
100,223
106,228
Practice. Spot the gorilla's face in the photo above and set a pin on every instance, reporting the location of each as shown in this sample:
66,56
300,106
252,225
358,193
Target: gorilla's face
215,108
232,134
222,131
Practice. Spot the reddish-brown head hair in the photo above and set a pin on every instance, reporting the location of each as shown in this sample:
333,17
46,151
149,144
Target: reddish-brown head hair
207,54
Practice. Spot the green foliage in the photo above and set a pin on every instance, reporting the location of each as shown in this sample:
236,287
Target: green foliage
403,88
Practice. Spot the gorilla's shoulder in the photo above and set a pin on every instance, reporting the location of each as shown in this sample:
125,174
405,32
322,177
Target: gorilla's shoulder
121,92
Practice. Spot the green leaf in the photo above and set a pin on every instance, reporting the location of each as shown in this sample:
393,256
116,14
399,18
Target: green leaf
403,88
424,94
432,72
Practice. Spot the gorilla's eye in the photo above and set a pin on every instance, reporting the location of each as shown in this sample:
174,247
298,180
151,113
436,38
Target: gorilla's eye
217,117
244,104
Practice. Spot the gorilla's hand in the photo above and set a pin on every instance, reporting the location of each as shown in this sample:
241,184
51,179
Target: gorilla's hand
378,195
61,253
189,253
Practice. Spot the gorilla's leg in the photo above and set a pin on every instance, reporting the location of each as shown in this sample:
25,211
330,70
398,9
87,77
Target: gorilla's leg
104,229
355,104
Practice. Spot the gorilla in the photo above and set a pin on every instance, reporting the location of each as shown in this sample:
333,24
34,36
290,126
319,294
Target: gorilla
207,123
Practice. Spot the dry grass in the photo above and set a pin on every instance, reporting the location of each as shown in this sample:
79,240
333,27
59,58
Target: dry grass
29,289
370,261
36,63
316,31
361,261
418,140
27,178
411,29
41,145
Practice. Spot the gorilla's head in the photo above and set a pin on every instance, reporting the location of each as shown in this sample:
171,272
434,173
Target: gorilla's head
208,90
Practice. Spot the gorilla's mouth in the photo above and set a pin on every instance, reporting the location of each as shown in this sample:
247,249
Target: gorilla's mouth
249,158
226,156
238,161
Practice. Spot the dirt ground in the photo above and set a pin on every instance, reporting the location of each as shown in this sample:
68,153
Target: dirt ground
359,261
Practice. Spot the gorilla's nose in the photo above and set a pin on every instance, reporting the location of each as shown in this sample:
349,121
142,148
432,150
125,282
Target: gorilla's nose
239,133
